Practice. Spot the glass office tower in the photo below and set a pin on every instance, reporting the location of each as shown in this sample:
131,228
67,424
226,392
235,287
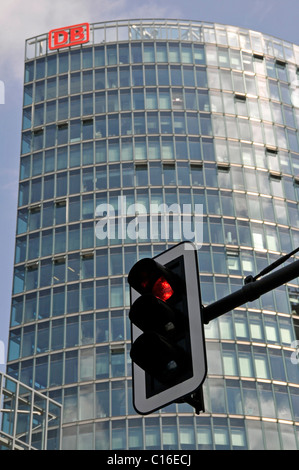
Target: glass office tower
165,112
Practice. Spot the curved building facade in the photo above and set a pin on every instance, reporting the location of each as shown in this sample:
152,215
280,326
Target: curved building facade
166,112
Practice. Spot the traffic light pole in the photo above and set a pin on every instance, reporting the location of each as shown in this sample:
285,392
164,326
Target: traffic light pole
251,291
167,317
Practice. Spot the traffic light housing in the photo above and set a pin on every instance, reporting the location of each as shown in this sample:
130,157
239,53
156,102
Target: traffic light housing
168,348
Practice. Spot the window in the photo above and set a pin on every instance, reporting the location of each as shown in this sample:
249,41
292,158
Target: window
221,437
234,397
229,360
245,363
58,301
233,262
116,292
169,174
204,435
251,403
28,341
86,402
55,370
102,327
87,303
102,400
27,118
44,304
152,434
62,85
241,325
277,365
266,400
74,240
261,364
87,364
169,434
102,362
238,437
41,372
117,361
187,437
57,329
214,358
271,329
118,404
72,332
101,294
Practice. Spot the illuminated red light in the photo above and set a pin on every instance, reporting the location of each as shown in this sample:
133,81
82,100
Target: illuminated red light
162,289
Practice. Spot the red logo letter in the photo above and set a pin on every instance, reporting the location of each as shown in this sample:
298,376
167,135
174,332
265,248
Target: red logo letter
60,38
77,35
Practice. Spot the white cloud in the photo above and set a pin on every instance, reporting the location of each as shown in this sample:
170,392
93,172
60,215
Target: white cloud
20,20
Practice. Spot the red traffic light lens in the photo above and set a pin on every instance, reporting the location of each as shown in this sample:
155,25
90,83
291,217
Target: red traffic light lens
162,289
149,277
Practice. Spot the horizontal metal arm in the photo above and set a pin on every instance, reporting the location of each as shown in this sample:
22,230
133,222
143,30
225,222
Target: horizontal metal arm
251,291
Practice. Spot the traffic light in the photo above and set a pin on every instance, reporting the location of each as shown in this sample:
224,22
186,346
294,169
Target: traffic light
168,348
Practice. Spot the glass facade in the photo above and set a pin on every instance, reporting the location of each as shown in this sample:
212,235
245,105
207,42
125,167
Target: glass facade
163,112
29,420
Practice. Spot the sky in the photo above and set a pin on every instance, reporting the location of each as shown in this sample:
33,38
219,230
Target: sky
20,20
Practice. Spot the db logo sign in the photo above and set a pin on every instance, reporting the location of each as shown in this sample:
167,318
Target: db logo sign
69,36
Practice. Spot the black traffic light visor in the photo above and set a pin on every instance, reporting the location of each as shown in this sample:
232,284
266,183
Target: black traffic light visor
144,275
149,312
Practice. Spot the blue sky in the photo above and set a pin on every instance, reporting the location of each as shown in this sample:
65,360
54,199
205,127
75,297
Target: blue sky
21,19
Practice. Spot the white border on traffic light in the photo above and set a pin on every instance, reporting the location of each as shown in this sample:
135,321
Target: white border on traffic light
142,403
